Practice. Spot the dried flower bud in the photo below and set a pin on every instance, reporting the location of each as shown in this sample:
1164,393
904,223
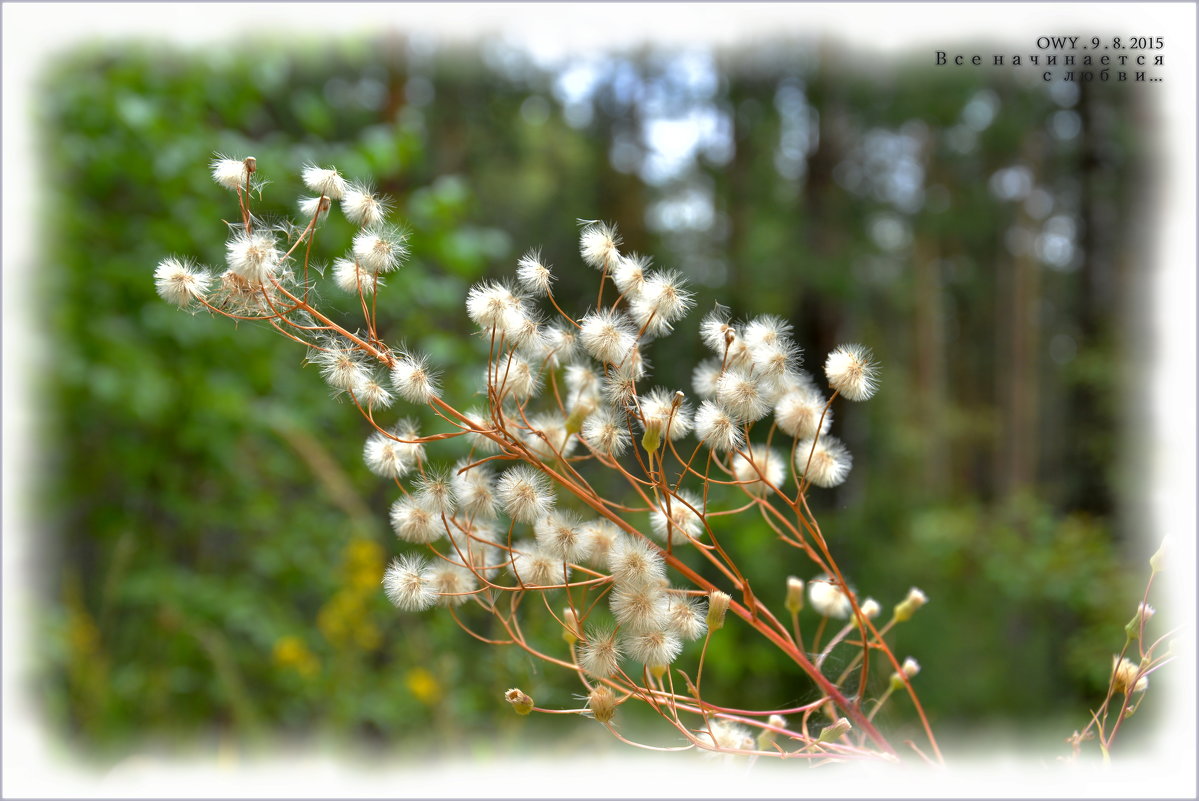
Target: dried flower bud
718,605
602,704
835,731
794,595
521,703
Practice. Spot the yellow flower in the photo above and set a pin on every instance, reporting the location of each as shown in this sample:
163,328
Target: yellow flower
424,685
291,652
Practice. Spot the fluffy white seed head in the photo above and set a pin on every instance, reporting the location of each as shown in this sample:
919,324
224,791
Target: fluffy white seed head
633,562
233,174
363,206
629,274
473,548
314,207
654,647
253,256
379,248
409,583
416,521
474,491
766,329
666,412
1124,674
513,377
663,300
639,607
534,275
852,372
717,429
741,395
620,385
724,735
607,335
704,377
774,359
327,182
605,537
406,433
533,565
599,245
827,598
600,654
548,439
521,327
560,346
583,382
342,367
372,394
179,282
435,491
488,303
716,328
453,584
798,413
830,461
676,522
387,458
764,469
524,494
636,364
351,278
685,617
606,433
562,535
414,380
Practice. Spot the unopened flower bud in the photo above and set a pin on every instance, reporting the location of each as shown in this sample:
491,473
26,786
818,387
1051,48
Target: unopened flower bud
570,629
578,415
835,731
794,594
651,439
602,703
908,606
1144,612
909,669
767,737
521,703
1157,562
718,605
251,164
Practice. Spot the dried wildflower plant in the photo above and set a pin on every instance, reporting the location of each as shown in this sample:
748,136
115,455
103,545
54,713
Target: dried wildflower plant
516,530
1129,679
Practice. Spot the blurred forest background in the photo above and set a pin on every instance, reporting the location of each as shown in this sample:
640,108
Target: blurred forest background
214,544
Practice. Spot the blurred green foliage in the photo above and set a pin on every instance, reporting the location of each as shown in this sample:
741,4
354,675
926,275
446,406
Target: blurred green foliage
215,543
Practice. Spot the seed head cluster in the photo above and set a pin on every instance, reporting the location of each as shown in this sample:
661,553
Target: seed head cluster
566,409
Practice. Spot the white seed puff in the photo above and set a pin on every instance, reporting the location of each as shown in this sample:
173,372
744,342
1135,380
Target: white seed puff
180,282
852,372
